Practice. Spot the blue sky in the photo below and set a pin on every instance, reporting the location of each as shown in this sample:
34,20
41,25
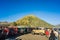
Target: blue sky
12,10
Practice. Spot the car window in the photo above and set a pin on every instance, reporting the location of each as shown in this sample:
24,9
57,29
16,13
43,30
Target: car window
55,29
59,29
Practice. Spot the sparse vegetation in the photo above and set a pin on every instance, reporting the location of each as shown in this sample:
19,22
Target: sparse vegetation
32,21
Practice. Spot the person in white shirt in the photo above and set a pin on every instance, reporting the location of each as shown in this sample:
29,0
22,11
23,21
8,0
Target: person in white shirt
56,34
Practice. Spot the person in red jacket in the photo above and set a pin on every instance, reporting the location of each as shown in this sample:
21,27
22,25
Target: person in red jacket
47,33
5,33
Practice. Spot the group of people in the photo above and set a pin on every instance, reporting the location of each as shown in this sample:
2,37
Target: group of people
5,32
51,34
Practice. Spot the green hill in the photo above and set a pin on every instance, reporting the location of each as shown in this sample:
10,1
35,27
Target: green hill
32,21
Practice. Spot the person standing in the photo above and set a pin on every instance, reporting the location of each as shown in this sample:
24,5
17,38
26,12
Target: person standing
47,33
56,34
52,36
0,33
5,33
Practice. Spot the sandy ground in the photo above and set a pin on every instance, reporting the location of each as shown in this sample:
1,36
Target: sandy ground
32,37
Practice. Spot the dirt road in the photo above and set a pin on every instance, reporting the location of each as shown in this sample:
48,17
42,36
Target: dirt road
32,37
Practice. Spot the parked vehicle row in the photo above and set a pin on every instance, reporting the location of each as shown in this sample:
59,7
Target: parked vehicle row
41,30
